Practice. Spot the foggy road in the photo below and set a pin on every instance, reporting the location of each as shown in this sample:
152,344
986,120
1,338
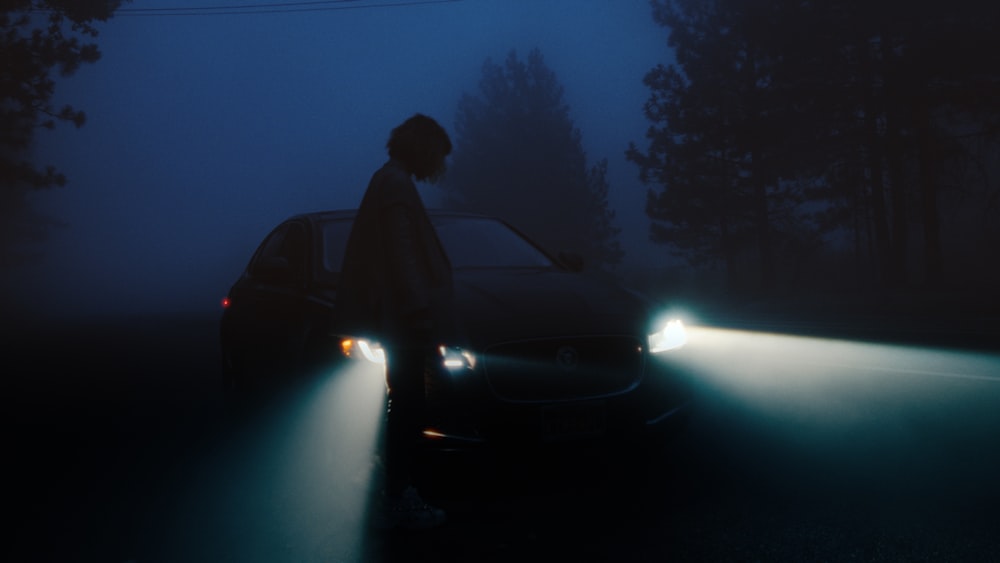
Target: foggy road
799,449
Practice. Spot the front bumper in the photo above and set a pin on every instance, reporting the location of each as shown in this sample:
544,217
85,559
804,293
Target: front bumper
532,425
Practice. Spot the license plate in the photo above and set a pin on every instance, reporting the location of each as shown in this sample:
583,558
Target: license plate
569,421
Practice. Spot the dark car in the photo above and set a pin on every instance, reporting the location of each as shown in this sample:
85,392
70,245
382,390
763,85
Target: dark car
551,351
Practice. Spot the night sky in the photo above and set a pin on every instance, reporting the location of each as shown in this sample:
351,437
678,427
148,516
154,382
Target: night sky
204,131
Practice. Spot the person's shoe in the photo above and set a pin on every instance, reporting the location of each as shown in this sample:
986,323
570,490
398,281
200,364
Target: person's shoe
409,512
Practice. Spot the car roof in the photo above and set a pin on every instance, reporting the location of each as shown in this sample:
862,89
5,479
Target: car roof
350,213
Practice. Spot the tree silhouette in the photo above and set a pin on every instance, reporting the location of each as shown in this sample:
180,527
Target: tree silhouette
718,139
518,156
784,125
38,38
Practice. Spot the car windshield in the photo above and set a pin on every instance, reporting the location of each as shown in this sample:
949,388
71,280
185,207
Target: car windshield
470,242
476,243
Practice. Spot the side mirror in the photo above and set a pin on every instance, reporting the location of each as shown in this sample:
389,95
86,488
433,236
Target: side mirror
571,261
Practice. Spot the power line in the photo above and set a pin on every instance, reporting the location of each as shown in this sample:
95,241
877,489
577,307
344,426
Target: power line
236,6
269,8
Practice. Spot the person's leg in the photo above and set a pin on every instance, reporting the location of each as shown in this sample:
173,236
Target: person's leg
404,423
404,415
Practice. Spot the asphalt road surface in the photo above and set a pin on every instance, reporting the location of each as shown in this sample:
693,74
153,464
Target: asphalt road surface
121,447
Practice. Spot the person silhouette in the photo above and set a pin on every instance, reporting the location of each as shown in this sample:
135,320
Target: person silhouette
396,285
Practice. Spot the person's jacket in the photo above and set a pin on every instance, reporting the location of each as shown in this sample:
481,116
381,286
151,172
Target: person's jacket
395,275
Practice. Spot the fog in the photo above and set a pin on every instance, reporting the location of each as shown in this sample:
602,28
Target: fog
204,131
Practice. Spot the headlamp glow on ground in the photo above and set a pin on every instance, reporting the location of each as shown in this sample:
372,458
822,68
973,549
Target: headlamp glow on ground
361,349
456,359
670,337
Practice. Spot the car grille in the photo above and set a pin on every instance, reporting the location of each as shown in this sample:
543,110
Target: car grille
556,369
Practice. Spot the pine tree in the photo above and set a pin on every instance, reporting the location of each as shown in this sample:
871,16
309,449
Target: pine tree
518,156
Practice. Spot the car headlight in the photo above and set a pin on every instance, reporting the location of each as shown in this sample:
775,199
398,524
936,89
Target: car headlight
670,337
361,349
456,359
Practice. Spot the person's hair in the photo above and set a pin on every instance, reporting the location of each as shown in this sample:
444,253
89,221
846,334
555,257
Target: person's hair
421,144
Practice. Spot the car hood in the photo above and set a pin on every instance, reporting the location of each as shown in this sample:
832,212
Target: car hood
504,305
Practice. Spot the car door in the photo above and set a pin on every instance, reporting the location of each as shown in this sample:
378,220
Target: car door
274,297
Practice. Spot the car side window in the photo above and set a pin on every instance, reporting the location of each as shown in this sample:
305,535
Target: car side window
282,256
335,235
